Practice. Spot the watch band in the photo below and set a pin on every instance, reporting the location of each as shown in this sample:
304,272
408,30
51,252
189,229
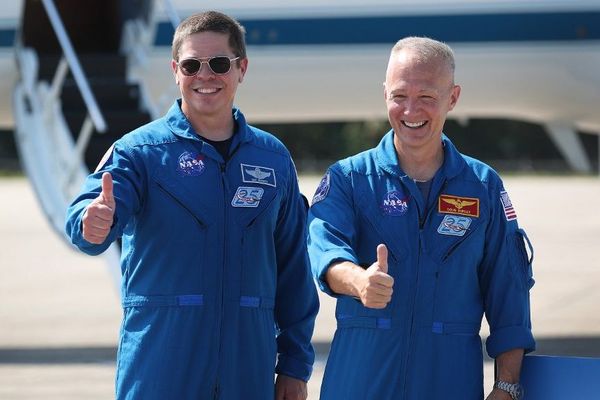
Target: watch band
513,389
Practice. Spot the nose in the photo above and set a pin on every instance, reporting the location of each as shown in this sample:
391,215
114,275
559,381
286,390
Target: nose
204,71
410,106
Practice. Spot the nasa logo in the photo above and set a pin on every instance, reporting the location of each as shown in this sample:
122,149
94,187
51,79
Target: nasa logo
190,164
395,203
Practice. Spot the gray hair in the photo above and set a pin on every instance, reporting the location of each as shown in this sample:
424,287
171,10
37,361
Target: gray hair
426,49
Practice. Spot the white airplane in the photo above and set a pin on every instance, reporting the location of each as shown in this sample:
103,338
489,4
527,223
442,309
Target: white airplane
310,60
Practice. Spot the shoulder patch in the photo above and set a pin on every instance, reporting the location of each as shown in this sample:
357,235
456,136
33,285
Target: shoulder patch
105,158
322,189
509,211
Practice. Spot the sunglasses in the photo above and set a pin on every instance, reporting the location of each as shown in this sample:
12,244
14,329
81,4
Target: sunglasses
219,65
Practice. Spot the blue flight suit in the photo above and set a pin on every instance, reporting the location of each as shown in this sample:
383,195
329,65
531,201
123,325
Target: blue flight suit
454,258
216,281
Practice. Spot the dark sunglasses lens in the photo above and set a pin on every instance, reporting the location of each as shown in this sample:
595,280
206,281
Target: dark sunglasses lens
220,65
189,67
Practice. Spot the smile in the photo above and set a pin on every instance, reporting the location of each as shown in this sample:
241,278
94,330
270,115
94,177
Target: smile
414,125
207,90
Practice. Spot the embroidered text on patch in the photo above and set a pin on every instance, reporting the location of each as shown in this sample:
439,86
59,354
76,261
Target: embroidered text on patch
454,225
246,196
191,164
322,189
448,204
395,203
509,211
257,174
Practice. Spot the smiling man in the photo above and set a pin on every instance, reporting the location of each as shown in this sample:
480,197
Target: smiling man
217,291
417,242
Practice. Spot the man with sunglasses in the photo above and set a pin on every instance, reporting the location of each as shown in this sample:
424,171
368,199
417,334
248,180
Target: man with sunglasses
217,291
417,242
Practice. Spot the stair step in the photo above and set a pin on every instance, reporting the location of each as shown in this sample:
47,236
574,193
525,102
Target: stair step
118,122
110,95
94,65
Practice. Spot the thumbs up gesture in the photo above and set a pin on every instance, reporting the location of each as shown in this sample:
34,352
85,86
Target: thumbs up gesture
99,214
375,290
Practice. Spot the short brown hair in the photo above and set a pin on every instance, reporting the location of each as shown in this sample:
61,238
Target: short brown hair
211,21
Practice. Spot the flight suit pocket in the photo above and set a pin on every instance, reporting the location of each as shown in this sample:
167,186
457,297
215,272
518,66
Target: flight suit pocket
521,259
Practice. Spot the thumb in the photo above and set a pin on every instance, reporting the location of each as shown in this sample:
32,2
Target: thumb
107,188
382,258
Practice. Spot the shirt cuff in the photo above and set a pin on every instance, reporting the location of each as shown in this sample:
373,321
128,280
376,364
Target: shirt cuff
509,338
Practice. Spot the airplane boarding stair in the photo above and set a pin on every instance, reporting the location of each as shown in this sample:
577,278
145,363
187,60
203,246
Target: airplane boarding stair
74,97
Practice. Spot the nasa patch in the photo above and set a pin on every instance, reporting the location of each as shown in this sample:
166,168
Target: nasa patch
322,189
395,203
190,164
246,196
256,174
454,225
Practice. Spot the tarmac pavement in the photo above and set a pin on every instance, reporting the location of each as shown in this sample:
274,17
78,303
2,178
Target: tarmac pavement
60,312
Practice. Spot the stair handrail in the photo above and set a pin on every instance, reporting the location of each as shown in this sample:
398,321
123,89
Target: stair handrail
75,66
172,13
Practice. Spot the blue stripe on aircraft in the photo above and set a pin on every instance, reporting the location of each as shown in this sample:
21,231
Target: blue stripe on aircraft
472,28
567,26
7,37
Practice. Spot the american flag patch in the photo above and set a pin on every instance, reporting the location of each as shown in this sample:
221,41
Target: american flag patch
509,211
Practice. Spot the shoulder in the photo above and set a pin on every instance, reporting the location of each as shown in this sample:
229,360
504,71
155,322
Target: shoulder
363,163
481,172
156,132
266,141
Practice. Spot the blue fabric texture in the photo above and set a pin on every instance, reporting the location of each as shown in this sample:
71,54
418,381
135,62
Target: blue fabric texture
217,291
451,263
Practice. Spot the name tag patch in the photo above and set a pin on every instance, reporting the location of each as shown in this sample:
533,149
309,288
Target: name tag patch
395,203
246,196
454,225
448,204
191,164
256,174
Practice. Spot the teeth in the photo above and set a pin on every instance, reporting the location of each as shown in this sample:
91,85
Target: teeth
414,124
207,90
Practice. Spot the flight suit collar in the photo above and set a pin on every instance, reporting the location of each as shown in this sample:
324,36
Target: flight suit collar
387,158
181,127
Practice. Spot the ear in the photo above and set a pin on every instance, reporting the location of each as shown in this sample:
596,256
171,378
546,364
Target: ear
174,70
243,66
454,97
384,92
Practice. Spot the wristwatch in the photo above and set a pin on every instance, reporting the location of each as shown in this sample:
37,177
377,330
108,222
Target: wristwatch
513,389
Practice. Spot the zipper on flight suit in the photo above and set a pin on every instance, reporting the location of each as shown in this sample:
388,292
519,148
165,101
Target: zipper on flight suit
220,295
422,219
225,187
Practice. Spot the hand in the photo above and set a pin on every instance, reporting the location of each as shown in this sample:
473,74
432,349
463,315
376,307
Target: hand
99,214
375,285
498,394
288,388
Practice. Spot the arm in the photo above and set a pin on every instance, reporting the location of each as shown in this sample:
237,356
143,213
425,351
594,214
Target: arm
100,212
287,388
373,286
296,302
508,369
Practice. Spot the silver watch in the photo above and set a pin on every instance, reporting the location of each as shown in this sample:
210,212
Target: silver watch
513,389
